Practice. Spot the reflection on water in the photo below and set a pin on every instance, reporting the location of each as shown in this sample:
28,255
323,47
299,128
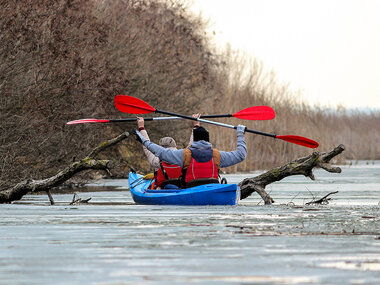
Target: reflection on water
113,241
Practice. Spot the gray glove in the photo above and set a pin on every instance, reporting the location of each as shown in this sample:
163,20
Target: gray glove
240,130
139,137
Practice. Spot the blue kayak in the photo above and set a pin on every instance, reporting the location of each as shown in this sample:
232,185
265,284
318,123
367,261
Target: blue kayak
207,194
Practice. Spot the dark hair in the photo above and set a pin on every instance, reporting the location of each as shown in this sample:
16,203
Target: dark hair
201,133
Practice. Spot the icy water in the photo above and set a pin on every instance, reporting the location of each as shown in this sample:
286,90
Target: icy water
113,241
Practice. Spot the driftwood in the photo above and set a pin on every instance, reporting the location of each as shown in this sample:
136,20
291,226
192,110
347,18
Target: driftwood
89,162
301,166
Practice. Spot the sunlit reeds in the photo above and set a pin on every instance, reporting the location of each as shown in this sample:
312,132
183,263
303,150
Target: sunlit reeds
250,85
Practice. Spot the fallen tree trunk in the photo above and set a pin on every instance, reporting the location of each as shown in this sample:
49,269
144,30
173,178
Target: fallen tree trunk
301,166
89,162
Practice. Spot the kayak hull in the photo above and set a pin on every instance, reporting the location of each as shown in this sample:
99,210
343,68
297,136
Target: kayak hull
208,194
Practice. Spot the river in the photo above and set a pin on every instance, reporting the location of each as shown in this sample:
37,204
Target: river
113,241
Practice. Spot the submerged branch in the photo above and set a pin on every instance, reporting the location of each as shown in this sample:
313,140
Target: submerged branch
324,200
30,185
301,166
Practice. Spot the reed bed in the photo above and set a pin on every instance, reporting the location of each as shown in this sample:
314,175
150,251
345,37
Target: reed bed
358,130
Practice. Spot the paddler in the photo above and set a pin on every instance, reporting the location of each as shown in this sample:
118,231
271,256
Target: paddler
164,173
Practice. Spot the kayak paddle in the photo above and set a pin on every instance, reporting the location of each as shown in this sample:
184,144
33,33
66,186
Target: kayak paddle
133,105
251,113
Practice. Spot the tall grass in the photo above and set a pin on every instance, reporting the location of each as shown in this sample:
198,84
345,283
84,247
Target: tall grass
245,83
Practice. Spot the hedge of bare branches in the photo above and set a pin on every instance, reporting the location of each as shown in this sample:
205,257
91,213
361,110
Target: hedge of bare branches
65,60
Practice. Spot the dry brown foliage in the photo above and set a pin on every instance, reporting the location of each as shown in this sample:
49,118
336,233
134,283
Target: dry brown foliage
65,60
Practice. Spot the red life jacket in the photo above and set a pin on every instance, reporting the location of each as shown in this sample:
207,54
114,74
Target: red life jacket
197,170
167,172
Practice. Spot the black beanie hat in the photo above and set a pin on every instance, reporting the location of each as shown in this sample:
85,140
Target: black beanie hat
201,133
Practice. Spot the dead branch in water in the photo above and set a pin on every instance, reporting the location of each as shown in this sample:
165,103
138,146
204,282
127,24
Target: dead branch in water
324,200
79,200
89,162
301,166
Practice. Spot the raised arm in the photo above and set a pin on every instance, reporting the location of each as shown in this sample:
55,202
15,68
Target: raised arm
195,124
229,158
152,159
166,154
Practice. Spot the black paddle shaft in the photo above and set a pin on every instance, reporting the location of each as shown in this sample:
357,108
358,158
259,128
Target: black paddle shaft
215,123
165,118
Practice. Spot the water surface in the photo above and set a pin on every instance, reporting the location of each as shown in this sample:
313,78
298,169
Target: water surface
113,241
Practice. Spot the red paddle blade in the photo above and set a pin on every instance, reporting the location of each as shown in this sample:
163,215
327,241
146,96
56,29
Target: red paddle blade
85,121
256,113
299,140
132,105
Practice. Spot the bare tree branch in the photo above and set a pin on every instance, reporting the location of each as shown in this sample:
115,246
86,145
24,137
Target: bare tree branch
301,166
30,185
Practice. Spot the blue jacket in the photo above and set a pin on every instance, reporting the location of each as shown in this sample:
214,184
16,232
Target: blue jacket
227,158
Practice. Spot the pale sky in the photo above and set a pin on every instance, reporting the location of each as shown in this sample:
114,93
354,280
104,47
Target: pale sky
328,49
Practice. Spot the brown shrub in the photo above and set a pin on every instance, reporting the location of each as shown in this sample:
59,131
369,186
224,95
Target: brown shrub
65,60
